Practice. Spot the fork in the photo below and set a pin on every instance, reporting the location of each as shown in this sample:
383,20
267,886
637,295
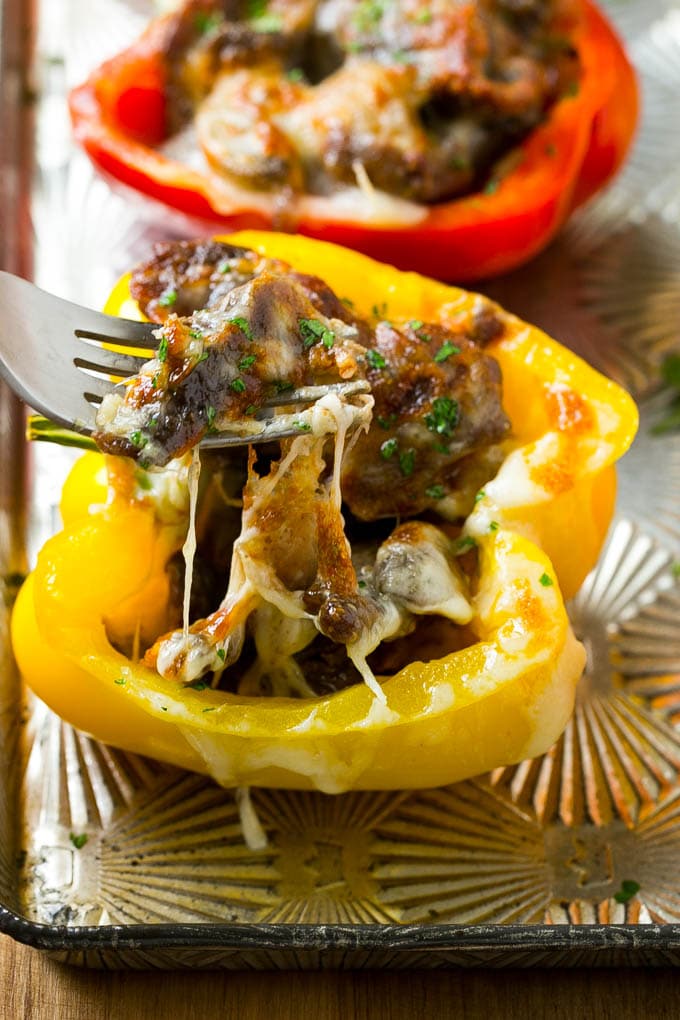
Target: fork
51,355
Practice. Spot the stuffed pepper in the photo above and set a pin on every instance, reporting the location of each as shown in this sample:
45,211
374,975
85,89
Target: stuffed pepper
449,138
372,600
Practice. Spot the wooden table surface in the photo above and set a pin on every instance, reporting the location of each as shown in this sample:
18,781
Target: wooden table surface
33,988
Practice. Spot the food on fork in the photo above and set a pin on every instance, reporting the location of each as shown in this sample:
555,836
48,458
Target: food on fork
452,138
375,602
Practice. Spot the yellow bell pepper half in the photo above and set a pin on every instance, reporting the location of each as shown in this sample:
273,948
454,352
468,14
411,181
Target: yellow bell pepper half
538,525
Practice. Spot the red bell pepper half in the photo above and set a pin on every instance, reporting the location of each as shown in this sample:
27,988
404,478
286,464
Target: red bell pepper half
119,116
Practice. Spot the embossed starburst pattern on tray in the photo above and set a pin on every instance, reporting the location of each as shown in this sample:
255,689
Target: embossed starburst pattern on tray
587,834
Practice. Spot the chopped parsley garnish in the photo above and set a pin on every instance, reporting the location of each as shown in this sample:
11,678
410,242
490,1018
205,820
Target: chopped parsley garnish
250,409
281,385
380,310
491,186
238,385
246,361
423,17
168,299
144,482
362,584
221,654
312,331
261,19
629,887
197,334
224,267
303,426
387,423
198,685
210,415
675,569
670,374
407,462
375,359
546,580
138,439
121,681
347,301
445,351
295,74
464,544
435,492
388,449
368,14
480,496
79,840
205,22
163,349
444,416
493,526
208,709
243,325
416,323
202,357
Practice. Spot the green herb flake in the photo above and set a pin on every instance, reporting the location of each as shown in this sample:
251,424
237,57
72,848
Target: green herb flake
243,325
246,361
210,415
303,426
197,334
629,887
491,186
465,544
446,350
138,439
388,448
312,332
295,75
375,359
435,492
238,385
208,710
493,526
670,370
480,496
121,681
416,324
362,584
250,409
546,580
221,654
144,482
163,349
198,685
379,310
407,462
423,17
387,423
204,22
675,568
282,385
444,416
168,299
78,840
347,301
224,267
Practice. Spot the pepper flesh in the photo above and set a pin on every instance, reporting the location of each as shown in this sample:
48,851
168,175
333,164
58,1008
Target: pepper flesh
119,116
504,698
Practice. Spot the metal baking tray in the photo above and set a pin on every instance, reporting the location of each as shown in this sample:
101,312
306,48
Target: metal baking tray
521,867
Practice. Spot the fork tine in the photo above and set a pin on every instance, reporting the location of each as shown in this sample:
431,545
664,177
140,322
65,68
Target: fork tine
308,394
122,332
111,363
